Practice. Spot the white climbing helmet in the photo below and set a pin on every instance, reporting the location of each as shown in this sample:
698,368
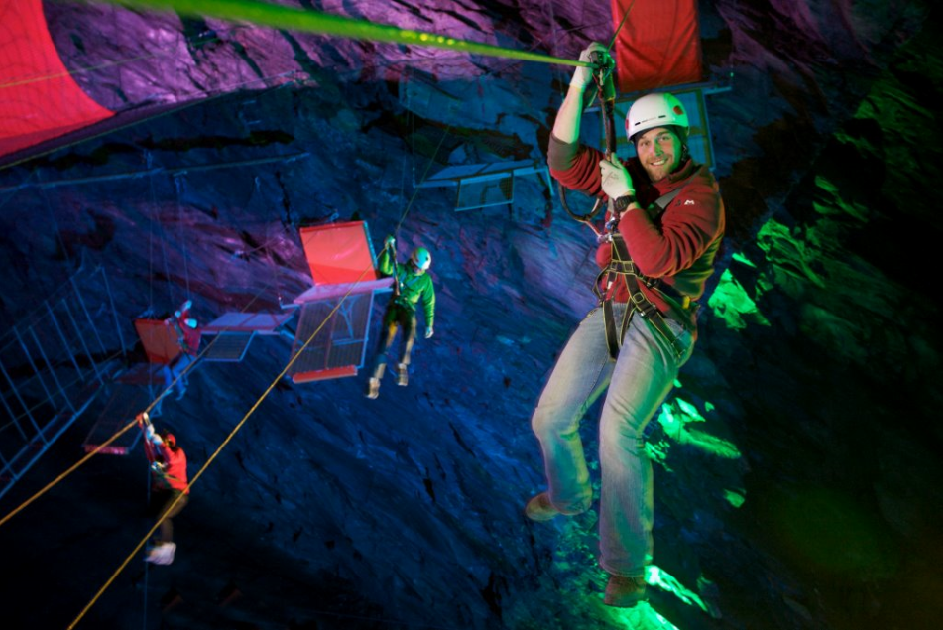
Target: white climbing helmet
422,258
659,109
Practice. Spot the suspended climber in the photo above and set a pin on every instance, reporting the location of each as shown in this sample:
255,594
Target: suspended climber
410,286
187,331
665,224
169,491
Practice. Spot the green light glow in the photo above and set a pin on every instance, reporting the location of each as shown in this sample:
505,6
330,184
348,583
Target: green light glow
710,443
657,577
674,418
731,303
640,617
658,453
290,18
740,258
790,256
735,498
836,202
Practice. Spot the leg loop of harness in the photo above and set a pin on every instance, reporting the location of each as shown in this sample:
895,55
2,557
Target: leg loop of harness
622,265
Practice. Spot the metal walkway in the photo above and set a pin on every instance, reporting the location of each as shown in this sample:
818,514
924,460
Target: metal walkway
52,365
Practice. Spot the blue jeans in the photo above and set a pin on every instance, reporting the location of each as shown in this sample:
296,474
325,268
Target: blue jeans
395,316
638,382
172,374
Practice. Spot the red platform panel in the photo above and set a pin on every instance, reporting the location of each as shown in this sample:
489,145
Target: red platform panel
339,253
159,339
38,98
659,44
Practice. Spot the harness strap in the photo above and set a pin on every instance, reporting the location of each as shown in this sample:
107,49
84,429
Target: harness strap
621,264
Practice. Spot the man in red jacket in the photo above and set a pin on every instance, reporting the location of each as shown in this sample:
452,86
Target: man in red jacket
169,489
663,231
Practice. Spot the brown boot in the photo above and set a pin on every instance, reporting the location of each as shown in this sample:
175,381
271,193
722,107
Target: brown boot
540,509
625,592
373,387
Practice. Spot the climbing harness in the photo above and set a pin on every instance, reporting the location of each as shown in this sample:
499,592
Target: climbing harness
622,265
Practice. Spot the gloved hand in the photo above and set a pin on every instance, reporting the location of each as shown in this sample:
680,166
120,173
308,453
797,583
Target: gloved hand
152,436
583,75
428,331
616,181
390,242
143,419
183,309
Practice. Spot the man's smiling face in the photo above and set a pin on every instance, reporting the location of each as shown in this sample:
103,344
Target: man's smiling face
659,151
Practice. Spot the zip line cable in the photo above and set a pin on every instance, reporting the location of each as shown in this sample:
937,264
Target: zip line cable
166,391
183,240
219,449
125,429
49,400
112,62
426,172
232,434
178,107
285,17
290,18
615,35
155,208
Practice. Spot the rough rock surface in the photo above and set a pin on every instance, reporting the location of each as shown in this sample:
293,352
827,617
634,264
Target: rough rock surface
796,464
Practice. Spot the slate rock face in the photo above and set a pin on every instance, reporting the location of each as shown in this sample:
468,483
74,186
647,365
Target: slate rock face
795,462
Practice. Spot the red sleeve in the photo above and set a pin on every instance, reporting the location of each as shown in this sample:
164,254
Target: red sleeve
688,227
575,166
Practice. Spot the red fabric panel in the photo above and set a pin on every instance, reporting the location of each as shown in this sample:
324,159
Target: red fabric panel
38,98
659,45
323,375
159,339
338,253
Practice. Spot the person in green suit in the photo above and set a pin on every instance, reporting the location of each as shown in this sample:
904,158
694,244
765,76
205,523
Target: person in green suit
411,285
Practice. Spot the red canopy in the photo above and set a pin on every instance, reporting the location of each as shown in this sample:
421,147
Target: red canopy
38,98
338,253
659,44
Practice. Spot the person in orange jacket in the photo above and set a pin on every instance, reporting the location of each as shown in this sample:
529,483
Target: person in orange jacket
169,489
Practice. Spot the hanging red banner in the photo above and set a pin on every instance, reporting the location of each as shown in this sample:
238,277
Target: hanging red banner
39,100
659,44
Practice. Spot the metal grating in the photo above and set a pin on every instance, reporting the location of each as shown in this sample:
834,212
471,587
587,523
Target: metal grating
228,346
481,193
338,338
262,323
483,185
52,365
